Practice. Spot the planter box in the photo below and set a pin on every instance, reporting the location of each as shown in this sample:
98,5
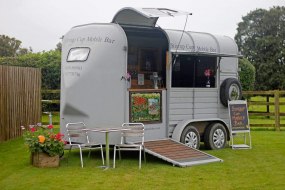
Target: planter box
43,160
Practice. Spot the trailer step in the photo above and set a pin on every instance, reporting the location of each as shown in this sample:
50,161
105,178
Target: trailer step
177,153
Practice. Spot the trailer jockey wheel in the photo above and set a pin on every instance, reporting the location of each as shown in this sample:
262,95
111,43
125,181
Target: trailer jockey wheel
215,136
190,137
230,90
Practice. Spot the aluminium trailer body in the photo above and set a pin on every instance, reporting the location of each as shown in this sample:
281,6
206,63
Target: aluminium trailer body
176,82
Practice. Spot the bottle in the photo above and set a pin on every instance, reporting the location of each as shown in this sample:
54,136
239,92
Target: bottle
208,84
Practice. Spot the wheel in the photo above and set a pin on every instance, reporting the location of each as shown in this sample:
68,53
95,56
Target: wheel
190,137
215,136
230,90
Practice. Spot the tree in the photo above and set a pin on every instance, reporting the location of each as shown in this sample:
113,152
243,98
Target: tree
8,46
11,47
261,39
58,46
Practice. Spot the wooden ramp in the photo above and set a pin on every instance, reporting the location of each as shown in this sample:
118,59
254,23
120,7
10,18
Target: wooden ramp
177,153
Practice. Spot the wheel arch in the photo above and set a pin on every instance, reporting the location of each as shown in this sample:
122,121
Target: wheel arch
177,132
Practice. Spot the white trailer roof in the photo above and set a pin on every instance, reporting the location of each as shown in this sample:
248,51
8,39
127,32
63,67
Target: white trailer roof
201,43
179,41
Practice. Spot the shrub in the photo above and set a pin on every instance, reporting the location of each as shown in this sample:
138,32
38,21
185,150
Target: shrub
246,74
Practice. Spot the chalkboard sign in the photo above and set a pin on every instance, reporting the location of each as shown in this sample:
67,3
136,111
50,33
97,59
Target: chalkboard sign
238,115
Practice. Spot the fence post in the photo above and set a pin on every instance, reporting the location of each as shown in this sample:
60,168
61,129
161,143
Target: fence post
267,106
277,110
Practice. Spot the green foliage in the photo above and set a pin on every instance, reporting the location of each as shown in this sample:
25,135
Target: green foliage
247,74
42,139
49,62
10,47
260,38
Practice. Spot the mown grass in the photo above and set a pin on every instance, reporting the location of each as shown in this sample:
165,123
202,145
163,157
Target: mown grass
261,167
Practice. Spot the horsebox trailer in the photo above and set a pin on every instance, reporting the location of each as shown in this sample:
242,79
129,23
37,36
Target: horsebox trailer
176,82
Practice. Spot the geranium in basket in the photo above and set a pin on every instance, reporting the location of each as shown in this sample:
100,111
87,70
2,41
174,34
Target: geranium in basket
40,138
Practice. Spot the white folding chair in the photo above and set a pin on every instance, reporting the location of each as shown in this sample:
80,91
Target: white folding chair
132,139
78,138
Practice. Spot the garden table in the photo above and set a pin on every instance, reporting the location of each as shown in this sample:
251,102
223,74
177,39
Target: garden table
107,148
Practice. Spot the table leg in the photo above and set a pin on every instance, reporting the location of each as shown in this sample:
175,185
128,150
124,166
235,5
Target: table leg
107,150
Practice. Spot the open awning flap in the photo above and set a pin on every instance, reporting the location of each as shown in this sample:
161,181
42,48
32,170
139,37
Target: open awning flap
144,16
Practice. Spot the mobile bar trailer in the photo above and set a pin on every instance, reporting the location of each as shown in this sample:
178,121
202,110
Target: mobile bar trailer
177,83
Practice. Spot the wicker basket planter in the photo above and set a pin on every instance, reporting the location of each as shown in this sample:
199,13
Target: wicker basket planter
43,160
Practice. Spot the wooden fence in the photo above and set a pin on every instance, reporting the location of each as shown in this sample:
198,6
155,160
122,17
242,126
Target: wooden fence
20,99
272,108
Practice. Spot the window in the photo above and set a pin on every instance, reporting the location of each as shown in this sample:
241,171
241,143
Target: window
78,54
194,71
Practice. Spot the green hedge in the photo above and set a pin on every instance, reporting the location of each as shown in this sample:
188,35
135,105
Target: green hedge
49,62
246,74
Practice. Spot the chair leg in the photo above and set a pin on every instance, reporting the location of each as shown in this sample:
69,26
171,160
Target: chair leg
120,156
140,158
102,154
114,160
81,159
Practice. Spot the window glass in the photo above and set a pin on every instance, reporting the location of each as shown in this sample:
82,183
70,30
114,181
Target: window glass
194,71
78,54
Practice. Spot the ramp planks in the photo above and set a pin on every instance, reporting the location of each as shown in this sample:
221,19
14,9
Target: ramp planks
177,153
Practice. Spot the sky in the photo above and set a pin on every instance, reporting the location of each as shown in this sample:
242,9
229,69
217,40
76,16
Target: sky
40,24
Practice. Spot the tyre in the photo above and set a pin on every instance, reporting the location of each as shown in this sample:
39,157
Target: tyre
215,136
230,90
190,137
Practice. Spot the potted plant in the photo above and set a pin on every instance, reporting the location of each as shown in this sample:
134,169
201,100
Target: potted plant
45,146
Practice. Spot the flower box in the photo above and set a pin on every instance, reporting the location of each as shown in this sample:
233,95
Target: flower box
45,145
43,160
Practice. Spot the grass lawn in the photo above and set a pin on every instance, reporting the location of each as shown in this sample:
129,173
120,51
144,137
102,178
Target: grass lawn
262,167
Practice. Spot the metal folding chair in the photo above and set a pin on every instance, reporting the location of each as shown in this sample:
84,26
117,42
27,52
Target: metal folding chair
132,139
78,138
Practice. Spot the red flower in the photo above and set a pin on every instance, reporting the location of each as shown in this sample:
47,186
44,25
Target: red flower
139,101
58,136
207,72
50,126
33,129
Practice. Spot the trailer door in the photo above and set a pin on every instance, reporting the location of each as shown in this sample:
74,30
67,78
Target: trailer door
93,63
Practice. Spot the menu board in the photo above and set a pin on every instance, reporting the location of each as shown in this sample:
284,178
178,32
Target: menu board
238,115
145,107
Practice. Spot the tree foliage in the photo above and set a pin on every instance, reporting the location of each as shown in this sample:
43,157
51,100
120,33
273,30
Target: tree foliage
246,74
11,47
261,39
49,62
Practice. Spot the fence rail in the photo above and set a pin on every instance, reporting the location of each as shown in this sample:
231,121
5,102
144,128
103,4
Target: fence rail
276,103
50,102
